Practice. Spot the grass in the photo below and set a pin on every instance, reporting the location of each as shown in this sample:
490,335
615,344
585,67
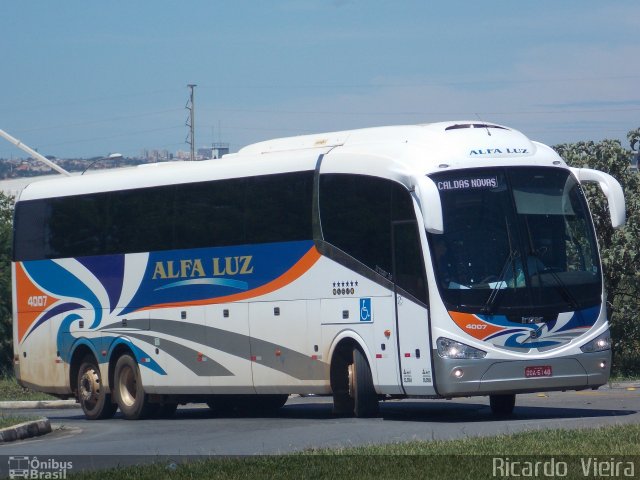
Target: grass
624,378
467,458
11,391
11,420
618,440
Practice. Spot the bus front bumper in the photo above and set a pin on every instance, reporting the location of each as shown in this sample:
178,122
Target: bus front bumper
455,377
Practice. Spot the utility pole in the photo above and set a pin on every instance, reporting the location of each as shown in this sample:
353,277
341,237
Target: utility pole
191,123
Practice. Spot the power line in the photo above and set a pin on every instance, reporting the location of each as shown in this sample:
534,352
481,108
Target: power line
436,83
423,113
97,122
373,84
84,101
108,137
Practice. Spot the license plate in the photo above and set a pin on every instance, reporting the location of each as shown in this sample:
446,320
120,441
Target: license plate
541,371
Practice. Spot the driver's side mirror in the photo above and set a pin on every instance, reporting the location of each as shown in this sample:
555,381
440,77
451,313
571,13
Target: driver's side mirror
610,187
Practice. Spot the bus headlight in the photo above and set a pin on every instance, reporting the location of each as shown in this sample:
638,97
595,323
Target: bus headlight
448,348
598,344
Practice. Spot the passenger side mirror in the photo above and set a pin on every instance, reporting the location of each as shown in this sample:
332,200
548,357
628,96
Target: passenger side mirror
431,205
610,187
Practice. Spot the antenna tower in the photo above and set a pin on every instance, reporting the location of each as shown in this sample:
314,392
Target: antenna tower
191,123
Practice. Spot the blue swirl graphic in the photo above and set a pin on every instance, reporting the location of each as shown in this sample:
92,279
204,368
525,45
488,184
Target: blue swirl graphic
60,282
57,310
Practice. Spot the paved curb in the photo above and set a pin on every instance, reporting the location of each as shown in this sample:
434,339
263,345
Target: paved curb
627,385
32,428
40,404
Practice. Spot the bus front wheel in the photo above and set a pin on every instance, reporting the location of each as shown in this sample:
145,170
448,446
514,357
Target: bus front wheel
502,404
95,402
129,391
361,389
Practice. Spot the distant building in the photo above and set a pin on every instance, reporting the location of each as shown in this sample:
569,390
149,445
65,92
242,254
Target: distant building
156,155
182,155
215,151
204,153
219,149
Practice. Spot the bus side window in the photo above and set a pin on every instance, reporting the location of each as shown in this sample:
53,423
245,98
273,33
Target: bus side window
30,220
210,214
409,267
278,208
357,212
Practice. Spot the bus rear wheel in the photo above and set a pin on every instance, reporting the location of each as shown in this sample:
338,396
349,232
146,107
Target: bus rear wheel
129,391
95,402
502,404
361,389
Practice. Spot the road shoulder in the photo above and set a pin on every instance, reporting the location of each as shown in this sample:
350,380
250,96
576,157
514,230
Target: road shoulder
32,428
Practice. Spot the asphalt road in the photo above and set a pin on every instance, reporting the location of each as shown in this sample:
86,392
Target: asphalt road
308,423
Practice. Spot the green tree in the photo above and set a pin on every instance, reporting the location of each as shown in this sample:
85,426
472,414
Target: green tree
620,249
6,335
634,139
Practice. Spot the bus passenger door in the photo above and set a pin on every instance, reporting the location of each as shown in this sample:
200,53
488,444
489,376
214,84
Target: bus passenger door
412,315
385,344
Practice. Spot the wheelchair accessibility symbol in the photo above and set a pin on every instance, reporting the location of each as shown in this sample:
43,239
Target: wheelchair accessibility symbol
365,309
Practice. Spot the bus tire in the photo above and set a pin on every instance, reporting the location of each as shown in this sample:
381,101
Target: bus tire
95,402
365,398
129,391
502,404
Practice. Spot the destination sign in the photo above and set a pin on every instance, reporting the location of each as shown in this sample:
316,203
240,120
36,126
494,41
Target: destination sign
468,183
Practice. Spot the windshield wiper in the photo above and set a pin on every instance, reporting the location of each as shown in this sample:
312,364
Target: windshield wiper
513,254
495,291
561,286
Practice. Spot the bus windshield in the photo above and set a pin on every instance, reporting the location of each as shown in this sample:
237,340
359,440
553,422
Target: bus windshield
515,239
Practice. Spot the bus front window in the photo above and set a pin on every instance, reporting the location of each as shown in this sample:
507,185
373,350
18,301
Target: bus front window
515,238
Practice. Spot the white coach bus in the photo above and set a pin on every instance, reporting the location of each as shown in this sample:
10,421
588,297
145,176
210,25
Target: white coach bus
432,261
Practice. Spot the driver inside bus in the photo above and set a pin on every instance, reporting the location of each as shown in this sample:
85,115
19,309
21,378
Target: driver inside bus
441,260
516,277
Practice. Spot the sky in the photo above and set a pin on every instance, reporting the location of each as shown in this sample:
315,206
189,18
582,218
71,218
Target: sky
88,78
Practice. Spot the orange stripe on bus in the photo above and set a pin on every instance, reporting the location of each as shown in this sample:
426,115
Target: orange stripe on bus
473,325
27,292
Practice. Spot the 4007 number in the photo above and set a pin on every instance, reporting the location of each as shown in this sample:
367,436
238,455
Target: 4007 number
37,301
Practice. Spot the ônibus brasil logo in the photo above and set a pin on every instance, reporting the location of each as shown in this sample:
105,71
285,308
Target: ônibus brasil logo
33,467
